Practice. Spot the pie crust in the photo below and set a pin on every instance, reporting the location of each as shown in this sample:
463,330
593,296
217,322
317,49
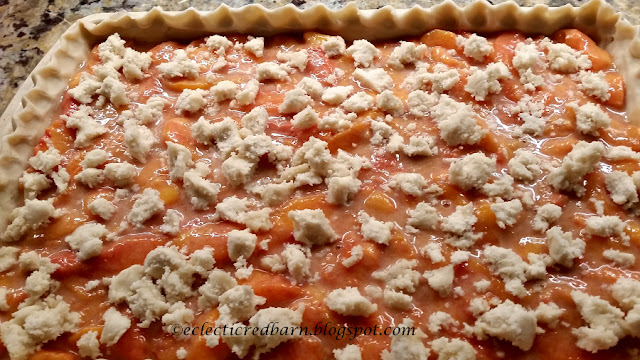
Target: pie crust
29,113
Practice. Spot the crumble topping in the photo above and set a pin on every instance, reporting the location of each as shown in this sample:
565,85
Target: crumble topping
250,184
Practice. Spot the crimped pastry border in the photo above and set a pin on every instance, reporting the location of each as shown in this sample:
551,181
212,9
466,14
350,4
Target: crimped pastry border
27,116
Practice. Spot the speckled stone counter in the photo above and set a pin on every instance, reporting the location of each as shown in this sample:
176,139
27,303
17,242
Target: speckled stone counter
28,28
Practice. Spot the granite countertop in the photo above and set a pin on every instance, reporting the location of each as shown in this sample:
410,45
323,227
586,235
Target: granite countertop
28,28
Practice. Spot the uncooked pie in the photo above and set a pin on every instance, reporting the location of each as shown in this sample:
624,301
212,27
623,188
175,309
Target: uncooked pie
480,188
